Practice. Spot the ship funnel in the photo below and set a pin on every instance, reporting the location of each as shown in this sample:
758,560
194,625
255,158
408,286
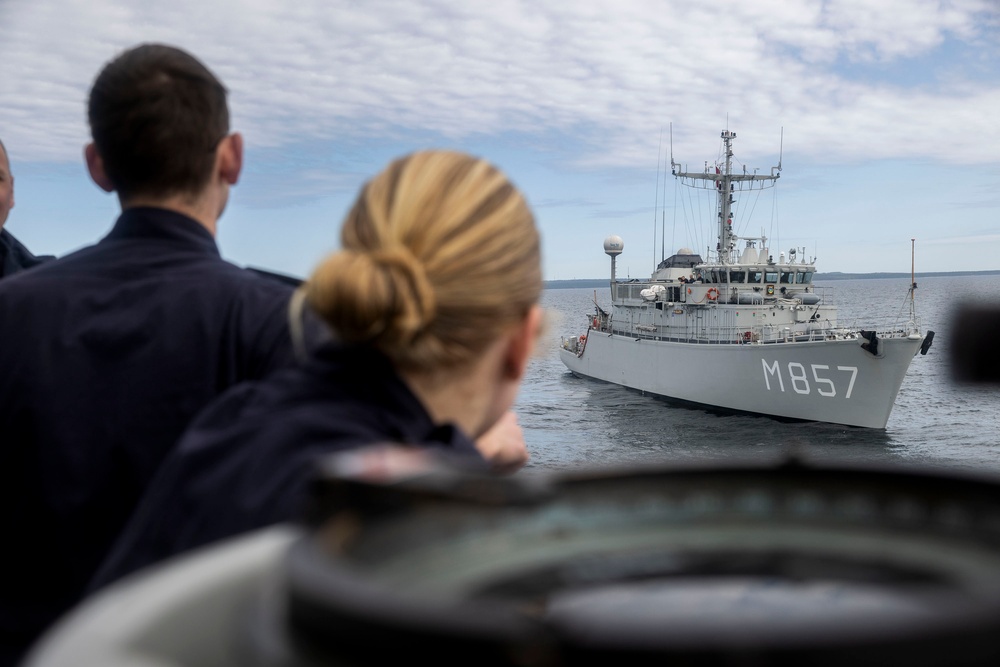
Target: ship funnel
613,246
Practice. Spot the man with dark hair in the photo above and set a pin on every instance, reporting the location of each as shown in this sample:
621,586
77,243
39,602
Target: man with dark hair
14,256
108,353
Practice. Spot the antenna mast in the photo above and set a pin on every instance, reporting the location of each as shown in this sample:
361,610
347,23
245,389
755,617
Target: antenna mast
656,203
724,182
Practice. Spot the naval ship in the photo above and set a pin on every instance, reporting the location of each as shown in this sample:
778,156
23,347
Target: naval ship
739,331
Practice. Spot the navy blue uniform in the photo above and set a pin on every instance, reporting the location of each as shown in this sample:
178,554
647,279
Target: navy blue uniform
246,461
14,256
106,355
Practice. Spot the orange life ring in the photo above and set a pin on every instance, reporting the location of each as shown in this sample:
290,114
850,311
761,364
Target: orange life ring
583,339
712,294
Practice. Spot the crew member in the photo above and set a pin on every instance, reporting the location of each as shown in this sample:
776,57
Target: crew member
109,352
14,256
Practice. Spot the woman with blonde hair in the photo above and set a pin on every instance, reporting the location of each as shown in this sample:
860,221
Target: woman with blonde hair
432,302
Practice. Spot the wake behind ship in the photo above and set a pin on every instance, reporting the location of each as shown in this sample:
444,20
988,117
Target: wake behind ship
742,331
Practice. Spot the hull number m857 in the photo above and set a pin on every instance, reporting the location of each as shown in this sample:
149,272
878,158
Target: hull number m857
818,377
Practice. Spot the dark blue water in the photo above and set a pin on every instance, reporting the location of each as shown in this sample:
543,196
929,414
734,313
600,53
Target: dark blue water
569,422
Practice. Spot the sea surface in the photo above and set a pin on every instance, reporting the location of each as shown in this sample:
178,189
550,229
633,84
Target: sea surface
574,422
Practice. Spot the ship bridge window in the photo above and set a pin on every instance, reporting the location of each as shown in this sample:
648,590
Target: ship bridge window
715,277
771,277
737,276
805,277
786,277
756,276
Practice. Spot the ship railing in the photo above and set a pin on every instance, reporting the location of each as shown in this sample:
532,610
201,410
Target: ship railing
889,333
884,326
826,294
886,323
631,293
736,335
798,334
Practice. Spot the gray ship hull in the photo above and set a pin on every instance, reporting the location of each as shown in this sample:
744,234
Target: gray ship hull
833,381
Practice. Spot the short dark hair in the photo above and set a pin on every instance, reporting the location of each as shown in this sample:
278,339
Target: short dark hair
156,115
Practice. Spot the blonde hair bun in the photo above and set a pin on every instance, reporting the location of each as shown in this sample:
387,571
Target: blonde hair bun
439,253
381,297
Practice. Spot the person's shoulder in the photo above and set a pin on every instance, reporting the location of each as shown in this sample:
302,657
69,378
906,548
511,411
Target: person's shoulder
239,292
299,395
269,415
286,390
275,277
15,257
226,411
49,273
34,275
255,281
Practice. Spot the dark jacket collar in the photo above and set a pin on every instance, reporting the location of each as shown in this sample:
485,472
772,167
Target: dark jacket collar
374,381
143,222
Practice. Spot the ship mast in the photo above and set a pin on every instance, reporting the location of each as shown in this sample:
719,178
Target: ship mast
724,181
913,285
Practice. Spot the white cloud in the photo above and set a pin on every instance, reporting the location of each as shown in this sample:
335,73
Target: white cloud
612,71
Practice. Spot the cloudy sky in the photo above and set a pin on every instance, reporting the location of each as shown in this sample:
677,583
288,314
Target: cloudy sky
885,114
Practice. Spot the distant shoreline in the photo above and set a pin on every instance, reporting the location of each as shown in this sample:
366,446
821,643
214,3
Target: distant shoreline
833,275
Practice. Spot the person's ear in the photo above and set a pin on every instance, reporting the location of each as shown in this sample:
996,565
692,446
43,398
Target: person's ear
95,165
230,158
522,344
